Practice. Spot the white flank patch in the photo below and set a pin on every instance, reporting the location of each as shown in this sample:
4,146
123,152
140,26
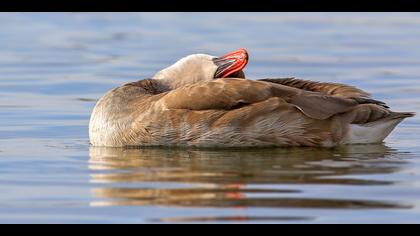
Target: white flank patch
374,132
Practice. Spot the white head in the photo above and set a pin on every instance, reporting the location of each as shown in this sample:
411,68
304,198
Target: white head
202,67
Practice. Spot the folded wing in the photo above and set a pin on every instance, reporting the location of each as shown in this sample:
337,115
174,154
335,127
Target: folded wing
229,94
332,89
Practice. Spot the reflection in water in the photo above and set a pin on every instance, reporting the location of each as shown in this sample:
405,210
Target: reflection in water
231,219
238,178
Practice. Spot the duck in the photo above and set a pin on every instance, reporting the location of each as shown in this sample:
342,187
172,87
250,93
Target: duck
206,101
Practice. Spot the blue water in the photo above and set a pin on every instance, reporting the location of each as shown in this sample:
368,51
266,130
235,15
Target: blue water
54,66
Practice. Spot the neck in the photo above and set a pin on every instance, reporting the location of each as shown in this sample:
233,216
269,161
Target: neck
170,80
162,85
165,84
186,72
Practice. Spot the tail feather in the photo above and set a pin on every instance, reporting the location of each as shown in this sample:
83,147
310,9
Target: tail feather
401,115
375,131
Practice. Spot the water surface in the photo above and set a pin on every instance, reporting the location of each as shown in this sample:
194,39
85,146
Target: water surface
54,66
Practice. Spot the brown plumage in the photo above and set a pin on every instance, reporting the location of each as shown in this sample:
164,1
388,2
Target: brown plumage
180,108
334,89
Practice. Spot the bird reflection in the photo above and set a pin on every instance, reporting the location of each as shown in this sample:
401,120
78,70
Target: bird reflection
237,178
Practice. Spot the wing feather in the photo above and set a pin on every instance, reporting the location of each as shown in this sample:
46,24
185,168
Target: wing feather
229,94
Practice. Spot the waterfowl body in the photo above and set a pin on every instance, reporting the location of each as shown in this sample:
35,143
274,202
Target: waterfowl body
204,101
